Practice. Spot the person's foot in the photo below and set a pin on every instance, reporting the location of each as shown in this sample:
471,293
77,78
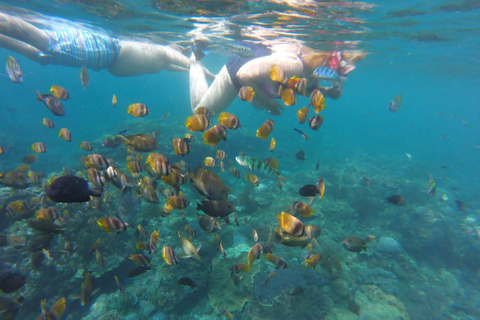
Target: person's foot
199,49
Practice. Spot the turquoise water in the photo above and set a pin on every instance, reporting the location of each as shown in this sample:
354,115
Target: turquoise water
423,264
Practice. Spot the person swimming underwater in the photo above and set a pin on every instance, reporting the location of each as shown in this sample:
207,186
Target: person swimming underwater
254,70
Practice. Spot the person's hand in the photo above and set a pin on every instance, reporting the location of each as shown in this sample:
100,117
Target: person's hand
333,92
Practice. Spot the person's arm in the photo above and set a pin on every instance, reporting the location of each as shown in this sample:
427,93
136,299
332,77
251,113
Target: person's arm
258,70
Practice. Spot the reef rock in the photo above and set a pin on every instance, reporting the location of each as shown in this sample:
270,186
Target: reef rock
370,302
309,303
222,291
389,245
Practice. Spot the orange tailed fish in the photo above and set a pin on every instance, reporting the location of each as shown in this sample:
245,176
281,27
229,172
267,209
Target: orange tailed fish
289,97
313,260
65,134
246,93
290,224
215,134
154,240
229,120
59,92
188,247
273,143
48,123
140,259
119,285
56,311
278,74
279,263
303,115
110,224
321,187
317,100
169,256
265,129
138,110
197,122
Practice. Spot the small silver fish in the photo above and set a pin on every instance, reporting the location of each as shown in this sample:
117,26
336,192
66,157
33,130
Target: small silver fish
395,103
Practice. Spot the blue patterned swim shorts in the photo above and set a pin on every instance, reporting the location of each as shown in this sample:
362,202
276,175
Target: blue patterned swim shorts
81,48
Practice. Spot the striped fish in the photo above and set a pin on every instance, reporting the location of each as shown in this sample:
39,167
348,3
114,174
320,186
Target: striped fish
242,51
431,186
325,73
257,166
13,70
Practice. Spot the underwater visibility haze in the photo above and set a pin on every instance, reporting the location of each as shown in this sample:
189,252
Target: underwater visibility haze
348,189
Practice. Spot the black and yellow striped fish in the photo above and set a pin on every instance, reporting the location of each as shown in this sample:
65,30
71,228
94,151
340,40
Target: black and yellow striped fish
257,166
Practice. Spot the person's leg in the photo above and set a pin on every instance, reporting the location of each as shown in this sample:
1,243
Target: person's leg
21,47
198,84
18,29
218,97
136,58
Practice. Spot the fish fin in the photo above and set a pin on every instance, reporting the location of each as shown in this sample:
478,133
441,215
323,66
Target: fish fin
315,242
199,247
39,96
74,296
96,192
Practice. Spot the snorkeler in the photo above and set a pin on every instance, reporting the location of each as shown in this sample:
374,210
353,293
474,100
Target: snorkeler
76,46
253,66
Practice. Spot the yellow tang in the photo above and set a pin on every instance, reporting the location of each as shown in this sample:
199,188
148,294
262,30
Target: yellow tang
114,100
